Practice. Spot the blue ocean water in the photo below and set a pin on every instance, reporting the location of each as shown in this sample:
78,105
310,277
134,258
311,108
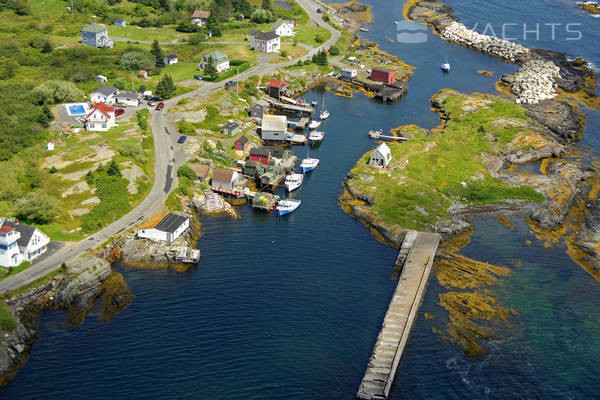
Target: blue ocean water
290,308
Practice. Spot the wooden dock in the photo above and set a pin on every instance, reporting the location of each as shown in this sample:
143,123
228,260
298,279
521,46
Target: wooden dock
288,107
379,135
400,317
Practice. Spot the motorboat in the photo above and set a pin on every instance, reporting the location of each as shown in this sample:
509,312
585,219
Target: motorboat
287,206
315,136
293,182
308,164
314,124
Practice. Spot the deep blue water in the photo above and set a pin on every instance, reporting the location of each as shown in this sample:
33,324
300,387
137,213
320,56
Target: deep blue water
290,308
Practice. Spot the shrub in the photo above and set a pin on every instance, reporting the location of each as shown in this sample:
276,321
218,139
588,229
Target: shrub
334,50
37,208
55,91
185,127
187,172
113,169
136,60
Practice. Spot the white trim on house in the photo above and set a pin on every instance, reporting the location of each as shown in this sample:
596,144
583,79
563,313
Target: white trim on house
381,157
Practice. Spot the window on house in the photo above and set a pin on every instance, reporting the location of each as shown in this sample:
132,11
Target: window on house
104,125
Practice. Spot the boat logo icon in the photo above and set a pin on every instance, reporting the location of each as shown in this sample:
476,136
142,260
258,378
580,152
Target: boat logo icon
410,32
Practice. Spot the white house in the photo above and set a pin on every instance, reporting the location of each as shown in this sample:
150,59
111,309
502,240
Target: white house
100,78
104,94
100,118
50,145
120,22
224,179
273,127
348,73
10,256
219,58
283,27
381,157
251,34
165,229
200,17
32,242
95,35
171,59
267,42
128,98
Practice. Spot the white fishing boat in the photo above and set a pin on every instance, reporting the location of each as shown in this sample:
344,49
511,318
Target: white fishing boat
315,136
446,66
308,164
287,206
314,124
324,113
293,182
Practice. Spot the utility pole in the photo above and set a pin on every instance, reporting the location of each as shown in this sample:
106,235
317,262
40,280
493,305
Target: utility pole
113,227
132,87
237,87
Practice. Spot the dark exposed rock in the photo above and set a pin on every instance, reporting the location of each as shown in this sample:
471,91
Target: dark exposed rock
573,72
559,117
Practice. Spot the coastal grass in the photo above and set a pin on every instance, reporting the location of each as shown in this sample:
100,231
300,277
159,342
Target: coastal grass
33,284
15,270
7,321
434,171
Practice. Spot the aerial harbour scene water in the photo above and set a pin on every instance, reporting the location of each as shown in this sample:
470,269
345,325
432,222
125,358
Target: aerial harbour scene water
240,199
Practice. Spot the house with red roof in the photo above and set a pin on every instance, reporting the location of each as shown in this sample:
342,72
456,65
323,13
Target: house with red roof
101,117
277,88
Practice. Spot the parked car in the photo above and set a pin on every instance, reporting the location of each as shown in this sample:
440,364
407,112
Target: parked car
182,139
160,106
119,111
319,10
151,103
199,77
231,83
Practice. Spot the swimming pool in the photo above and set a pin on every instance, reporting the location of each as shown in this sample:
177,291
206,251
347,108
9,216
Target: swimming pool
283,4
76,109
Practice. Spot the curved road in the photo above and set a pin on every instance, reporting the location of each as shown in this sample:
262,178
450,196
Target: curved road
168,157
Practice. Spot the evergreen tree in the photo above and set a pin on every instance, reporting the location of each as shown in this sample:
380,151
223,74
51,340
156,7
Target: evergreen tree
210,70
46,110
43,120
166,88
90,178
113,169
213,26
266,4
158,54
242,7
47,47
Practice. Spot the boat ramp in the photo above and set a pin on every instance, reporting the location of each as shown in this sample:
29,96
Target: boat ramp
416,257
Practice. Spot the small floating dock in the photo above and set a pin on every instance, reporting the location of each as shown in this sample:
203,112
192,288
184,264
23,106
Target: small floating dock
400,317
378,135
299,124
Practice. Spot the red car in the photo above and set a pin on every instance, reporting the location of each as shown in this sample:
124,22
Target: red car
160,106
119,111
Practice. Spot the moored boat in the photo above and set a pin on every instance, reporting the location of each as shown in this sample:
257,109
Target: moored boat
316,136
308,164
314,124
293,181
287,206
446,66
324,113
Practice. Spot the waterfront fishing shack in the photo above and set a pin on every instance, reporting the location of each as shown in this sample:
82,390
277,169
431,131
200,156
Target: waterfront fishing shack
265,201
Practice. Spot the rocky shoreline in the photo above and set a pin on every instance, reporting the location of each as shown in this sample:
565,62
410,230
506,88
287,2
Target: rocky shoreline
74,288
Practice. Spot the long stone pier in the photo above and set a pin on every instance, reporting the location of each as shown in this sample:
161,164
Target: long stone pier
400,317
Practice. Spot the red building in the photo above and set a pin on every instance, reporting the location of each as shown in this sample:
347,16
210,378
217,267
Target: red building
241,144
261,155
277,87
383,75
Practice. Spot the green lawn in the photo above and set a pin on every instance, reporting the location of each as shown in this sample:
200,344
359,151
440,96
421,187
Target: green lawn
309,35
427,172
165,33
6,272
7,321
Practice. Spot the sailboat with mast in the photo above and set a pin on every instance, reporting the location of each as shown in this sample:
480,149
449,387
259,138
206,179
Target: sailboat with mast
324,113
446,66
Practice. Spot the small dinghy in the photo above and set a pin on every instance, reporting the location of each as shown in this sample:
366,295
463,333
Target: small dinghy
314,124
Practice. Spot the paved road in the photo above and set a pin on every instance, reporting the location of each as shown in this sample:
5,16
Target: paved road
169,155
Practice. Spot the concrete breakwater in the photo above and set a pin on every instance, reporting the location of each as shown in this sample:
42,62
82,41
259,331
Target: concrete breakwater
400,317
505,49
535,81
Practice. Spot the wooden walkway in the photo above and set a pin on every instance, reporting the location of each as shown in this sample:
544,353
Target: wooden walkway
399,319
288,107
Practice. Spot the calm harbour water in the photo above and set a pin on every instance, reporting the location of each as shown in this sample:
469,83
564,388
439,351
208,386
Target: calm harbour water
290,308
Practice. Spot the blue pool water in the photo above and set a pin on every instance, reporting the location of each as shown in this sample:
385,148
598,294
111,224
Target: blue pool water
283,4
76,109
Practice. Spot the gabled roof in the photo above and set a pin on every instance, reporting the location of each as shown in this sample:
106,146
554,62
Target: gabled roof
118,21
106,90
282,22
171,57
380,69
201,14
6,229
274,122
231,125
201,170
128,95
93,28
223,175
276,152
265,35
384,150
260,151
253,32
26,232
279,83
103,108
170,223
243,139
218,56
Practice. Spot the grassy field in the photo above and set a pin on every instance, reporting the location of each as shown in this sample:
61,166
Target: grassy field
293,53
165,33
5,273
431,172
7,321
309,34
